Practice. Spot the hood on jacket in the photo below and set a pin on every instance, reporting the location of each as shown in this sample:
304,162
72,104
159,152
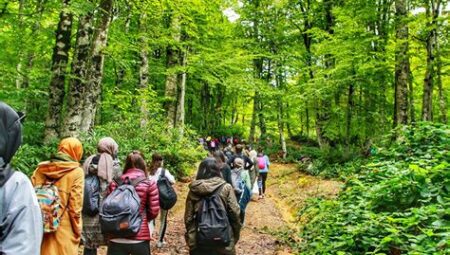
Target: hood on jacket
204,187
10,133
10,139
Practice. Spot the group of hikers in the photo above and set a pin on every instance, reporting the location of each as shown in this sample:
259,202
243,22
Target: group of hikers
66,203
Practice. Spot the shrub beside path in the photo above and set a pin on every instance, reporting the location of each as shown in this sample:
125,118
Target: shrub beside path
287,190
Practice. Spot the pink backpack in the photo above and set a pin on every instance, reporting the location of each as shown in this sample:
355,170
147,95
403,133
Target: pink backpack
261,163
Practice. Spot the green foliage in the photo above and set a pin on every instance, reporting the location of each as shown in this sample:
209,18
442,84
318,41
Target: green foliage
180,153
396,203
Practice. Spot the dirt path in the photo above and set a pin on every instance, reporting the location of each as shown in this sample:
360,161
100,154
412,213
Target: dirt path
287,190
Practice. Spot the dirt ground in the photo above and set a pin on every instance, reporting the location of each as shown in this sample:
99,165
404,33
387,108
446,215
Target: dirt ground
287,190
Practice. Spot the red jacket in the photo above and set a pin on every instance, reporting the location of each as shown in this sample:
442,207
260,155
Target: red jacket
148,193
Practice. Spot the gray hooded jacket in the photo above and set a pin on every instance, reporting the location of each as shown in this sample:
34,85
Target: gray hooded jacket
20,215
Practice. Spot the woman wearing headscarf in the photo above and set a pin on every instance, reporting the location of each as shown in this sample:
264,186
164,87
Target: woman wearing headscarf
105,166
63,169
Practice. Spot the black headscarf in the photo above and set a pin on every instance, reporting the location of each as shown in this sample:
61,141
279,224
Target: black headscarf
10,139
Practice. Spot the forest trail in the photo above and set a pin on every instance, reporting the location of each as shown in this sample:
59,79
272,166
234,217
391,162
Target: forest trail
287,190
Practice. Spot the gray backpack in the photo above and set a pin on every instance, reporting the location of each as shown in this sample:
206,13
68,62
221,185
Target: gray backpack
119,212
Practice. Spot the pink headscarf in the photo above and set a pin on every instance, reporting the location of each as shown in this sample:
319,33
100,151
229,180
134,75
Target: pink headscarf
107,148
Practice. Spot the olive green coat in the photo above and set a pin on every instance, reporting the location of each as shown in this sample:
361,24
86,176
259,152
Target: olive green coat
199,189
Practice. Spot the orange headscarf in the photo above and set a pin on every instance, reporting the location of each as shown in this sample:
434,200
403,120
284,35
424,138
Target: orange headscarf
72,147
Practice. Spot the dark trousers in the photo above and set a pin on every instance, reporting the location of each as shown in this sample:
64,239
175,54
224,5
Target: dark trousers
129,249
262,177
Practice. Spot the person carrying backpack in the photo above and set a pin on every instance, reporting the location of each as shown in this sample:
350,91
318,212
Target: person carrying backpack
20,214
263,164
239,154
242,185
224,167
129,239
59,185
99,170
212,213
158,173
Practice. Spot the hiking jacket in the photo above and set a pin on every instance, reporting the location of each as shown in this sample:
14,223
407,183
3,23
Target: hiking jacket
70,183
202,188
226,173
22,221
244,174
20,214
147,191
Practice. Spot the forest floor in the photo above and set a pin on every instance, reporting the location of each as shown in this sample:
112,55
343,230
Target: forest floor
287,190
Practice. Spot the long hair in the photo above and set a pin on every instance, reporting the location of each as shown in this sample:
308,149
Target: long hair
220,157
208,169
157,161
135,160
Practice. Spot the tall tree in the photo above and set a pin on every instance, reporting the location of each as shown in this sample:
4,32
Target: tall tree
402,66
432,12
95,72
78,80
60,58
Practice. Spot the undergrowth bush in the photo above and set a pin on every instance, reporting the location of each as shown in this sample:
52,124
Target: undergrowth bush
180,152
398,203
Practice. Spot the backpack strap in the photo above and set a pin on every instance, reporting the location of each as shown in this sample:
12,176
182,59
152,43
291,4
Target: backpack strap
163,173
138,180
118,180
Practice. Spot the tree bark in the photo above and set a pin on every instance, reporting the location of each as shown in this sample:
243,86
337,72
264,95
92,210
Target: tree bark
251,137
442,95
401,64
60,58
171,87
350,104
143,69
99,41
78,80
180,116
432,13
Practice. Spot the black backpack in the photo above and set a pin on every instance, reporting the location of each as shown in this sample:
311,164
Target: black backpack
91,199
119,213
92,189
213,226
167,194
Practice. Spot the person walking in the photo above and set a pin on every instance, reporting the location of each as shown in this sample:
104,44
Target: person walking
156,171
253,171
263,166
63,171
242,185
149,208
223,166
20,215
239,154
209,184
105,166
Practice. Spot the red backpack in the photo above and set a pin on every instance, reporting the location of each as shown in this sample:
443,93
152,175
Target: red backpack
261,163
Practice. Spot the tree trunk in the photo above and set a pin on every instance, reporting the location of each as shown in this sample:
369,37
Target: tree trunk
173,54
350,105
60,58
442,96
20,73
77,83
401,64
251,137
280,127
288,122
182,92
99,40
432,13
143,69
